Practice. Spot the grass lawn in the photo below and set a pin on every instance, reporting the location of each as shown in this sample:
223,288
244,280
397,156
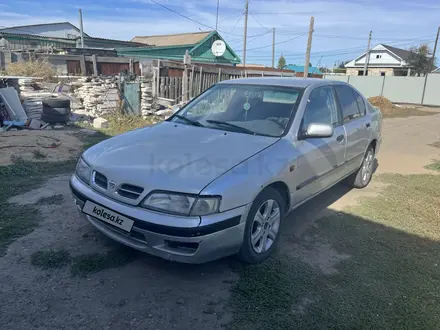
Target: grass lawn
119,124
435,166
389,277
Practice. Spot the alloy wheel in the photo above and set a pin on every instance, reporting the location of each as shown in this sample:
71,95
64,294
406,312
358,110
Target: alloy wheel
265,226
367,166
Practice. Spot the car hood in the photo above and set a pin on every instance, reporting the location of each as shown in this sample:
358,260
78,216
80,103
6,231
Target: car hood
173,157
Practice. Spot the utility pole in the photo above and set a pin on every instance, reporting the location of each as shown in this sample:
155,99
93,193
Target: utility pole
367,55
81,31
273,48
216,20
309,47
246,12
435,49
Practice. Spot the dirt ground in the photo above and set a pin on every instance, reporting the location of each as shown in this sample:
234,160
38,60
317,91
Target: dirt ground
149,293
46,145
390,110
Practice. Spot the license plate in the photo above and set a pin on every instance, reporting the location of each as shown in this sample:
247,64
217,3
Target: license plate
106,215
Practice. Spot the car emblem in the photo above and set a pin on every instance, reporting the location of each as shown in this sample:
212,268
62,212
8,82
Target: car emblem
111,184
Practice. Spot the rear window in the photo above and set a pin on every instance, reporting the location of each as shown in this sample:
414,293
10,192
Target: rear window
360,102
349,103
280,97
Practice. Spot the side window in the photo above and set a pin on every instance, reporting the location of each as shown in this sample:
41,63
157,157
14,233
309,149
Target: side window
349,103
321,108
361,103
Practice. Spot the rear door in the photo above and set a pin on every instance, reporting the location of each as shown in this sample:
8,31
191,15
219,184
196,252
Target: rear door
320,160
357,125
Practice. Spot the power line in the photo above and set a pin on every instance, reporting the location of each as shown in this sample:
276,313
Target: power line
230,16
323,54
192,20
260,23
358,38
184,16
257,36
238,21
325,11
251,37
277,43
335,52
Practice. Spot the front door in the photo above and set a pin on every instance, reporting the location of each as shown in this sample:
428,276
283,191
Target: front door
321,160
356,125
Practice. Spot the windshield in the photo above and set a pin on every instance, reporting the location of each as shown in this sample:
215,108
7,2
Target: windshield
250,109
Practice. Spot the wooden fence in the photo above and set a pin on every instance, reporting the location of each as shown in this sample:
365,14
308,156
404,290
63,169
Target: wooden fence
176,82
170,87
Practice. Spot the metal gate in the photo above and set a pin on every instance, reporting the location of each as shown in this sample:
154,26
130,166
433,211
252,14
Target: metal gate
132,98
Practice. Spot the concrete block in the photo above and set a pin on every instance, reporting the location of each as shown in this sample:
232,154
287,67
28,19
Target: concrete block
100,123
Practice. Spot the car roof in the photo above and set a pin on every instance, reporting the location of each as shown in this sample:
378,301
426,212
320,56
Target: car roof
280,81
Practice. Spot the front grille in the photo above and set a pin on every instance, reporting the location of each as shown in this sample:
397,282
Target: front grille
100,180
129,191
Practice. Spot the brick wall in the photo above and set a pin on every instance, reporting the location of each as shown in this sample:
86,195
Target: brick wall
352,71
377,71
371,71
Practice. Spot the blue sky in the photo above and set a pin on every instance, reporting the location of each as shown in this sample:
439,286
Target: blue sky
341,27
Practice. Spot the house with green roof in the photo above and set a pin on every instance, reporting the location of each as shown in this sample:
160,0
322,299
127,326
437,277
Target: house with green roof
313,70
174,47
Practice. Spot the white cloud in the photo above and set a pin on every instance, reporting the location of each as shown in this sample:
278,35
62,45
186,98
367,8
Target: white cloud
126,19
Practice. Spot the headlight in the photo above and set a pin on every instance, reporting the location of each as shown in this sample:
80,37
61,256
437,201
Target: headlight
182,204
83,171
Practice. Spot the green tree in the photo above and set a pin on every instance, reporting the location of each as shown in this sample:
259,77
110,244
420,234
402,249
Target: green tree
281,62
420,60
342,64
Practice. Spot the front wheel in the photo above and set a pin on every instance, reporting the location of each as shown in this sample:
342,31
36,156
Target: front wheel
263,224
362,177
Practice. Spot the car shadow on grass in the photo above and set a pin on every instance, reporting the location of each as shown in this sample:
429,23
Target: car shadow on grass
372,266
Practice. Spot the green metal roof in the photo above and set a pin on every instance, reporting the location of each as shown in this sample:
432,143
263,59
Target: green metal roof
200,52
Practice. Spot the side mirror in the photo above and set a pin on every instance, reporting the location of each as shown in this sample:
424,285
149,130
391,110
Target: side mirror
317,130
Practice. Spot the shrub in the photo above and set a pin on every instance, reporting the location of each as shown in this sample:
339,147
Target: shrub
39,68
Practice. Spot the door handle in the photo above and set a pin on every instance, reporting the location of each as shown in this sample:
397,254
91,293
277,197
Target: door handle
367,125
340,138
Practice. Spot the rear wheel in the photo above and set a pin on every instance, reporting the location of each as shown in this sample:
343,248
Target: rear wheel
262,226
362,177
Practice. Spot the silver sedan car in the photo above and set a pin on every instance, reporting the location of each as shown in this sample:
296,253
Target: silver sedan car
219,176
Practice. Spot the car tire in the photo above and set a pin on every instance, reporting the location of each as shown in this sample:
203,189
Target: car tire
56,102
262,232
362,177
56,111
52,119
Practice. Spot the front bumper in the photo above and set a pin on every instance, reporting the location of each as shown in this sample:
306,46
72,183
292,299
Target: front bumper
218,236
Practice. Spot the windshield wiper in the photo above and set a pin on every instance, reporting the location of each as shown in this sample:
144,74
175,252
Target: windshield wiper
190,121
237,127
